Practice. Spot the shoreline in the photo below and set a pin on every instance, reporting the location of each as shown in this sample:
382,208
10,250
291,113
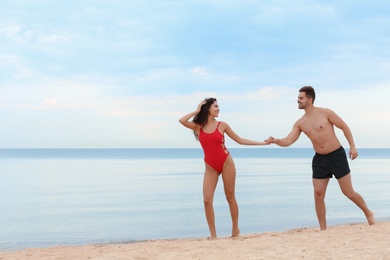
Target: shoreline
348,241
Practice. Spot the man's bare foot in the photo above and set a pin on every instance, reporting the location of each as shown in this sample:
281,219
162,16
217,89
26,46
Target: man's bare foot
212,238
371,218
236,233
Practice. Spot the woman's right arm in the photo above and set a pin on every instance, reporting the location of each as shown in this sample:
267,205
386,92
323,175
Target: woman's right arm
184,120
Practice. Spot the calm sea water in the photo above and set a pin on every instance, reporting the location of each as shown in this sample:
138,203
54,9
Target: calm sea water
54,197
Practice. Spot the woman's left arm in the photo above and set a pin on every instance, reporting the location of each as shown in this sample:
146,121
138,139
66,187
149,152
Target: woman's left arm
229,131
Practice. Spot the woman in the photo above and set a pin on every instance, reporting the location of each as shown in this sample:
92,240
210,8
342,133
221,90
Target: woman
218,160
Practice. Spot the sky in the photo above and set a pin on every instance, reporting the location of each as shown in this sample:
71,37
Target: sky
119,74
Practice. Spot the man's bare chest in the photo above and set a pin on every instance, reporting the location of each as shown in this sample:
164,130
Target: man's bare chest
314,126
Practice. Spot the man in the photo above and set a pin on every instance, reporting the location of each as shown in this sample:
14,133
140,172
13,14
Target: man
330,158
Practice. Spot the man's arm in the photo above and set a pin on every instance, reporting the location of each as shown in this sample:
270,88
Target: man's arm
339,123
291,138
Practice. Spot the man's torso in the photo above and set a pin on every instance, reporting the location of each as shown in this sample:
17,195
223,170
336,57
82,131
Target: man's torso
320,131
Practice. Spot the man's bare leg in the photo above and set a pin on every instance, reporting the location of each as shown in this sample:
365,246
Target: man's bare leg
347,189
320,186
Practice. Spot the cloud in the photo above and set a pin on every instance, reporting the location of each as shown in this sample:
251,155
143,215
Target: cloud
109,70
50,101
7,59
255,115
199,71
10,31
268,93
54,38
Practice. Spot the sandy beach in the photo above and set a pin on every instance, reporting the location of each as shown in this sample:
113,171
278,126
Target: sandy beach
354,241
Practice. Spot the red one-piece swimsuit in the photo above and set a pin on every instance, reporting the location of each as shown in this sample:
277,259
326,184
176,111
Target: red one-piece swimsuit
215,152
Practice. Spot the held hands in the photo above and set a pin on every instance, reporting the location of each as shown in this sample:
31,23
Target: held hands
265,142
270,140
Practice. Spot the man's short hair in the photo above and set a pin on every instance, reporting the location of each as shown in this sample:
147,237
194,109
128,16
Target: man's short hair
309,91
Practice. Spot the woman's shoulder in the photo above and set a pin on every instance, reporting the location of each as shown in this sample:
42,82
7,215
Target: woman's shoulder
223,124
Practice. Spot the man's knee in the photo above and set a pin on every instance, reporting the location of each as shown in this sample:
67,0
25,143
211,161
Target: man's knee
350,193
319,195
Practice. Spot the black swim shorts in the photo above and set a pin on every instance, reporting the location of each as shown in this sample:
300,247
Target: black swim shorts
334,163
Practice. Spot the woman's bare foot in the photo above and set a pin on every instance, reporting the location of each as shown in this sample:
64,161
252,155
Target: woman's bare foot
371,218
236,233
212,238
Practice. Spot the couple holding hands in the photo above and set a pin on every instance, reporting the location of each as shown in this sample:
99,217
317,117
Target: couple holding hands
317,123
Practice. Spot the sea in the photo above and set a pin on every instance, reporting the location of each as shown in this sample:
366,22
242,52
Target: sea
53,197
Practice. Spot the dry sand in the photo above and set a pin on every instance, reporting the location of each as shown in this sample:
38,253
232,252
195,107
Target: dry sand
355,241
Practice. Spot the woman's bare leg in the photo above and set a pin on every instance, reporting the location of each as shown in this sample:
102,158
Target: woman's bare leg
229,184
210,181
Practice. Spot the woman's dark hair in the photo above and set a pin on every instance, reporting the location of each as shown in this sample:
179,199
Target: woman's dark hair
309,91
202,117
